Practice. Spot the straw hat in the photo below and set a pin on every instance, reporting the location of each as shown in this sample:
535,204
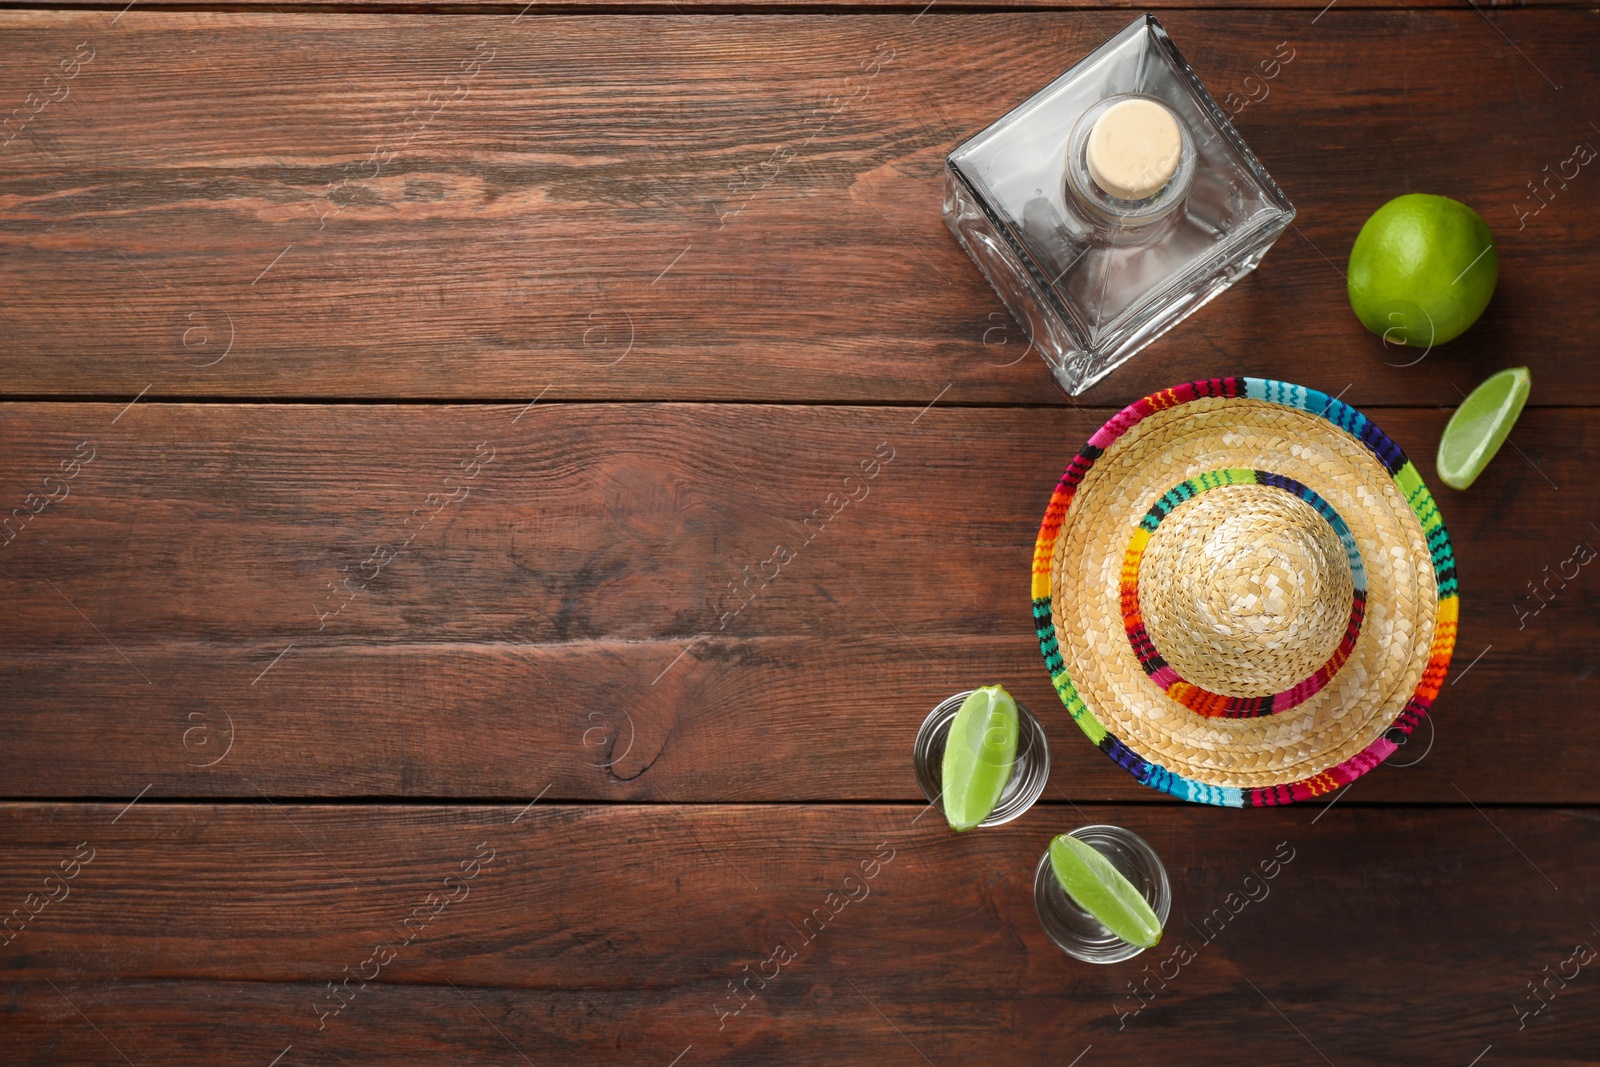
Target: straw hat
1244,593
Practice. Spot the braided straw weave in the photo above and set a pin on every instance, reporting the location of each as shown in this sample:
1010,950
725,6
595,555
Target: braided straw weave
1242,590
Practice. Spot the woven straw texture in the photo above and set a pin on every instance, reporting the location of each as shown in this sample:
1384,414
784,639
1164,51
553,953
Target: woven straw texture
1245,592
1241,589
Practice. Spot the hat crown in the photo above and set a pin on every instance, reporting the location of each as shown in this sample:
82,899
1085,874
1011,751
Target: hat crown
1245,590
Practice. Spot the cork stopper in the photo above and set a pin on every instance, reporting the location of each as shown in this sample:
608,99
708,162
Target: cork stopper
1134,149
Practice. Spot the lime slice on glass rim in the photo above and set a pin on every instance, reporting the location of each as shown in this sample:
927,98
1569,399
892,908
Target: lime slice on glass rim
979,752
1480,426
1101,890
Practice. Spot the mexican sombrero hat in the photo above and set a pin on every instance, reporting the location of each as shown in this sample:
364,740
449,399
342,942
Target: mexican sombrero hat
1244,593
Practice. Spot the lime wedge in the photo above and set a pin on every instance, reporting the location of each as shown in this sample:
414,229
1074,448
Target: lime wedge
1480,425
978,755
1102,891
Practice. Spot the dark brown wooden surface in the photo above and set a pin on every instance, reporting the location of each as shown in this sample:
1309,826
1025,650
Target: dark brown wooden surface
527,236
1107,9
574,609
280,360
611,934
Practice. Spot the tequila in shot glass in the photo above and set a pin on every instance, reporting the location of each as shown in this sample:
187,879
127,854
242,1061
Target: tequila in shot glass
1028,774
1073,929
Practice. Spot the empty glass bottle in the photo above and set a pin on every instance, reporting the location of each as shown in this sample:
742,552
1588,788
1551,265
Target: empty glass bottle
1111,204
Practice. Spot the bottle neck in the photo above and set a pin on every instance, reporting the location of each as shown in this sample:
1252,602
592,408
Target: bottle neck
1116,215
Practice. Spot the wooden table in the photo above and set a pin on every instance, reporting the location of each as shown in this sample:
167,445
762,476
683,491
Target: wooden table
398,664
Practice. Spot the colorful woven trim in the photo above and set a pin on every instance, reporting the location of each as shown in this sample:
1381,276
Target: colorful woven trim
1197,699
1406,479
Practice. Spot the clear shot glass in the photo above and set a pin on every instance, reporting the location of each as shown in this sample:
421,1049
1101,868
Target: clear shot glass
1028,774
1074,930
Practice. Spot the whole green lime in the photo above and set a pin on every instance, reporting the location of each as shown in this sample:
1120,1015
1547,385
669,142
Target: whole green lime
1422,270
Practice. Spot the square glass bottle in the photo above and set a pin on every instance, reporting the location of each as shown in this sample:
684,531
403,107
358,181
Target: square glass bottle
1094,277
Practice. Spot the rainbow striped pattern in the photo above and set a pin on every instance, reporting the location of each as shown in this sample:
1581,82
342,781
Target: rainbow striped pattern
1203,701
1406,478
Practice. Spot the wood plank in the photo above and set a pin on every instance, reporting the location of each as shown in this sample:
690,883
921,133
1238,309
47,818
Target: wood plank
598,934
1112,8
573,610
586,216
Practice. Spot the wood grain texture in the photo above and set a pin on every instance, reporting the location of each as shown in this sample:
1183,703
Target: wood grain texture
599,935
605,611
664,752
293,206
671,7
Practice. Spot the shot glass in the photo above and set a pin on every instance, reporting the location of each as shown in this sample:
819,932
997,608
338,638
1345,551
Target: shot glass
1075,931
1028,774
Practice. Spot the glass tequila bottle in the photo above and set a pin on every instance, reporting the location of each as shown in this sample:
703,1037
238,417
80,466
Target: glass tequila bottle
1112,204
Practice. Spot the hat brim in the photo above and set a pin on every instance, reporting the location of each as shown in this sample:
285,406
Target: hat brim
1379,690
